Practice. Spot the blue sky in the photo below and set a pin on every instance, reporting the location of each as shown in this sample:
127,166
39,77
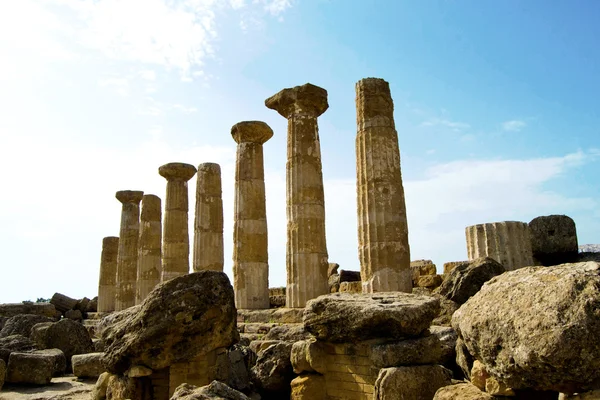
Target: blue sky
495,105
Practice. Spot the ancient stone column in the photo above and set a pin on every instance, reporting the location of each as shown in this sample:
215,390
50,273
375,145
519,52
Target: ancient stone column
149,251
176,241
128,248
250,253
383,247
306,250
208,224
506,242
107,288
553,240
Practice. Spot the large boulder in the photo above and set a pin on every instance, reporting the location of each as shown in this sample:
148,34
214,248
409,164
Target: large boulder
11,309
466,279
30,368
38,333
22,324
63,303
309,387
88,365
353,317
273,372
533,328
14,343
181,318
423,350
553,240
411,383
69,336
123,387
215,391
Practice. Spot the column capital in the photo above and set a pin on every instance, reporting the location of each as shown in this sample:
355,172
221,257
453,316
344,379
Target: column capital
251,131
305,99
151,208
177,171
129,196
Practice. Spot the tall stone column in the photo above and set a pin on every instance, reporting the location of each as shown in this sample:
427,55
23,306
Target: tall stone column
306,251
149,252
506,242
128,248
208,224
250,242
383,247
107,287
176,241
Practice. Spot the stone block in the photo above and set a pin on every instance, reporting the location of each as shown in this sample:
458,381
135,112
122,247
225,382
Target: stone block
2,372
424,350
411,383
430,281
308,387
60,361
30,368
8,310
351,287
461,391
553,240
88,365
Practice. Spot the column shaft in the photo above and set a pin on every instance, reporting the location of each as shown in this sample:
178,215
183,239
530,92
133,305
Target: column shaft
208,223
149,250
306,256
108,274
384,251
506,242
250,241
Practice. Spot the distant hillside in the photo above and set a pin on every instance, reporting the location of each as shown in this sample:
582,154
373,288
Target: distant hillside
595,248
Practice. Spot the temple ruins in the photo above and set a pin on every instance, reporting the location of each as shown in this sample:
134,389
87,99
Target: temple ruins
107,286
150,242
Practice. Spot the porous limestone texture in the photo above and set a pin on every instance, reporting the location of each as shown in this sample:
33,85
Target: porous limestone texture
107,284
216,390
553,239
461,391
149,252
183,318
176,240
208,222
507,242
531,327
350,317
128,248
8,310
250,240
306,250
383,247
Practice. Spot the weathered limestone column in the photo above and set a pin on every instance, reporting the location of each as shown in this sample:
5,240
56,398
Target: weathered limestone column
383,247
306,251
506,242
176,241
250,242
128,248
149,252
108,274
208,224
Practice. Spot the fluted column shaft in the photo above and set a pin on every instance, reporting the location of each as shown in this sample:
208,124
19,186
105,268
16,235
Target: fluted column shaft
149,247
306,251
176,241
506,242
128,248
383,247
107,288
208,223
250,238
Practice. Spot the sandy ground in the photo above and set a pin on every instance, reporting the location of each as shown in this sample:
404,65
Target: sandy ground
63,388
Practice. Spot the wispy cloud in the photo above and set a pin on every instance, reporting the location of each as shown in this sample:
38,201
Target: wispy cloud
119,85
453,125
514,125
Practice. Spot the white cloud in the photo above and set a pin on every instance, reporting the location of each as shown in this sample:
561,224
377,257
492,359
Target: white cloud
513,125
275,7
119,85
453,125
148,75
184,109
